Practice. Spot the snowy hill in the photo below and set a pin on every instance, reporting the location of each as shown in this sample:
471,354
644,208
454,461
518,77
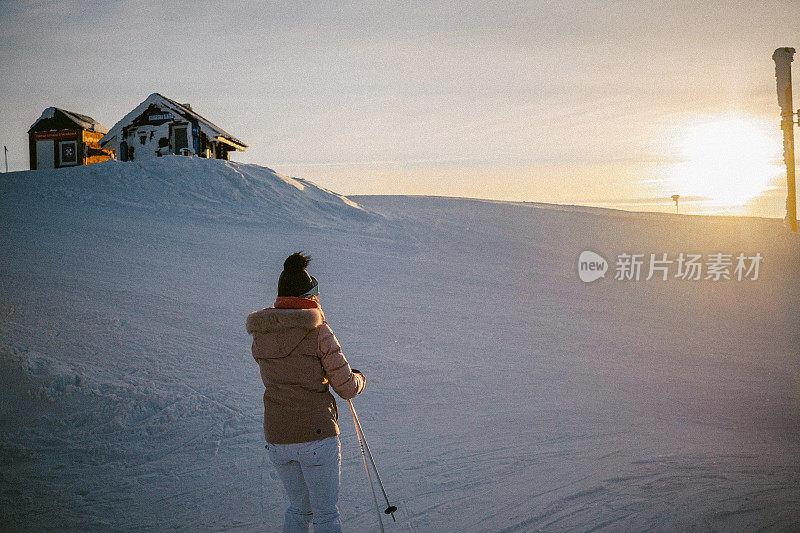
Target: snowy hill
207,188
504,394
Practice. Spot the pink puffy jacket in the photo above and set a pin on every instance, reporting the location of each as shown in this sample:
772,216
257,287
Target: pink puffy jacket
299,356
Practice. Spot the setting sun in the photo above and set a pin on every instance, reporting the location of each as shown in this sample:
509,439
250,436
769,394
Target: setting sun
726,160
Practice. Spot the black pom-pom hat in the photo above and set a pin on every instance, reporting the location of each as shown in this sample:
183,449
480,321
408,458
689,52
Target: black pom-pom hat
295,280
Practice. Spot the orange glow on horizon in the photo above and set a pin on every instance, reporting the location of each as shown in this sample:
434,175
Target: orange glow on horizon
727,160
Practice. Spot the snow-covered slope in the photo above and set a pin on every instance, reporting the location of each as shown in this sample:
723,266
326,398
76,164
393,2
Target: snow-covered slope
207,188
503,393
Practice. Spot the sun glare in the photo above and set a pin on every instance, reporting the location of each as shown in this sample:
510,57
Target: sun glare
726,160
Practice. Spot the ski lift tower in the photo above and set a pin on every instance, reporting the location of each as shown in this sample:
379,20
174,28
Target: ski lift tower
783,76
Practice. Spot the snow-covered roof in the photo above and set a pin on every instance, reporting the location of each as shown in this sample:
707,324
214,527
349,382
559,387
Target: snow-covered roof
211,130
83,121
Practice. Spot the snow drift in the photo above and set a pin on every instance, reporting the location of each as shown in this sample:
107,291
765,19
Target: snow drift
208,188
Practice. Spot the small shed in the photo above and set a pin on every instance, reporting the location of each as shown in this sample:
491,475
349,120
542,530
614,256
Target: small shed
61,138
160,126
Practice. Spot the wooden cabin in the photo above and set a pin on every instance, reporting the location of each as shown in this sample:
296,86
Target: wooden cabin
62,138
160,126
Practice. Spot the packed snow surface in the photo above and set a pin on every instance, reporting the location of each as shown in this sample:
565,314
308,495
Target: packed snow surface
503,394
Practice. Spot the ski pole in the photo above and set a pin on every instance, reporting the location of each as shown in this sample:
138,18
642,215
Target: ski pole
366,468
390,509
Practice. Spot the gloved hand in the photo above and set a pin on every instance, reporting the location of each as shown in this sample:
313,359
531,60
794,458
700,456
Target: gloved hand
363,377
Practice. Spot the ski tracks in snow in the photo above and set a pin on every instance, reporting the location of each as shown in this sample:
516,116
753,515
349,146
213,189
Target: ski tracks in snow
653,494
89,445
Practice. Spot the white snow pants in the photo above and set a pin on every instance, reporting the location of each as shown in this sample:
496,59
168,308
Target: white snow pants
311,473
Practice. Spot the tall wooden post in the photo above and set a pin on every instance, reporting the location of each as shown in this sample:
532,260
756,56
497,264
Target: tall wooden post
783,76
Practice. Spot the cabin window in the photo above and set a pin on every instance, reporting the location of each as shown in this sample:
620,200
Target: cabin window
142,139
68,153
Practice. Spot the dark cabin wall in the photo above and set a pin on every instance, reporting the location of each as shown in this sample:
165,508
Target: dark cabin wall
32,150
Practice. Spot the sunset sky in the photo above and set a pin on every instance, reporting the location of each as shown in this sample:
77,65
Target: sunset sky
611,103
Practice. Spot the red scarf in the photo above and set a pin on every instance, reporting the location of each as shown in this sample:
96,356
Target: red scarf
295,302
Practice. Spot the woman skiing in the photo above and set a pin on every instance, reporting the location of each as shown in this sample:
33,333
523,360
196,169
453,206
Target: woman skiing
299,357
